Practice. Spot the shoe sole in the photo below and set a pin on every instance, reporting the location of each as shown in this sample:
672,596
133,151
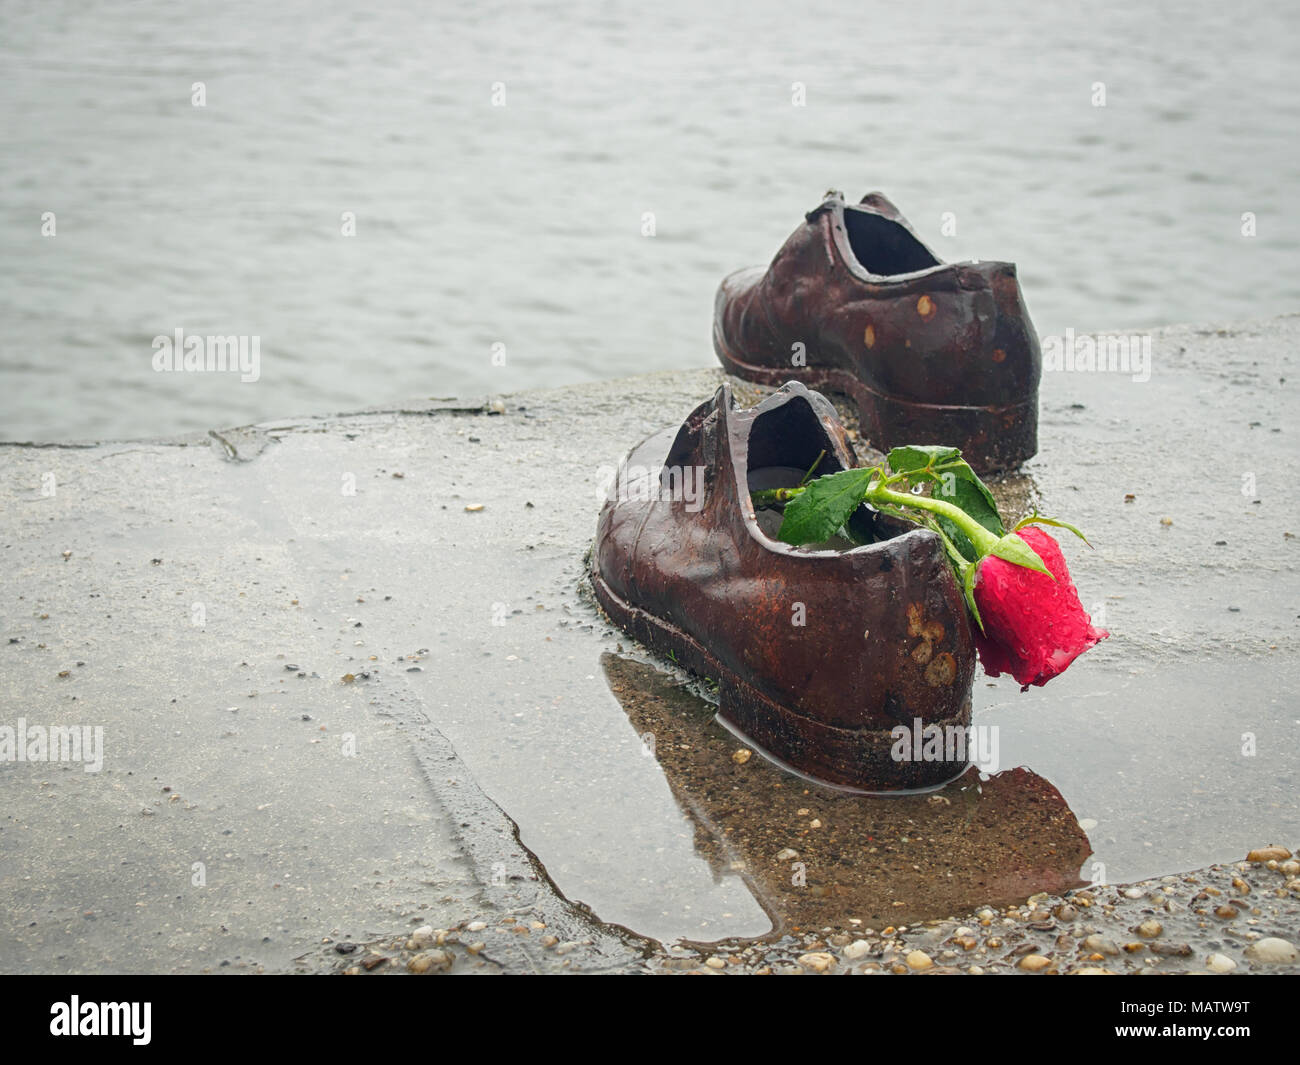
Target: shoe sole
992,439
854,759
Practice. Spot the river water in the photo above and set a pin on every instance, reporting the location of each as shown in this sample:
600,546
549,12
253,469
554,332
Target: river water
497,167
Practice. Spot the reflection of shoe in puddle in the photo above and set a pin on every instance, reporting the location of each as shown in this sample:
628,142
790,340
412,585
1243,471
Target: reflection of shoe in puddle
818,654
816,857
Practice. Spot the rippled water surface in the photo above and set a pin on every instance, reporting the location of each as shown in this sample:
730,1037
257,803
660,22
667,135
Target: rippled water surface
522,225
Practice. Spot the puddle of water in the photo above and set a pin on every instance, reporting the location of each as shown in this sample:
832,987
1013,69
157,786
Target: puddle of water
813,856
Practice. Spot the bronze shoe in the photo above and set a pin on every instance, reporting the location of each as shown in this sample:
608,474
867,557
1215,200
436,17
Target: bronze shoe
817,653
931,352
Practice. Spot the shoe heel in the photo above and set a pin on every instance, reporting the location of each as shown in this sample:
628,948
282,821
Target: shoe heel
992,439
855,759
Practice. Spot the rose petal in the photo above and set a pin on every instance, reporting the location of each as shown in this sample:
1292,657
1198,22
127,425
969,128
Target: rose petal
1034,627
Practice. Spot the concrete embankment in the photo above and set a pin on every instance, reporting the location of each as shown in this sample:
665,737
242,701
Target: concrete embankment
350,686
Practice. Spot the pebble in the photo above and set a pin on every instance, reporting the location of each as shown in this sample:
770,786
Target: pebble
787,855
1273,950
859,948
919,961
1220,963
1134,893
1149,929
435,960
1092,970
715,962
817,961
422,937
1101,945
1034,963
1271,853
476,926
742,756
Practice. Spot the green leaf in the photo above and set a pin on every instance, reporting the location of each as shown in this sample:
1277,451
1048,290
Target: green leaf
1014,549
972,496
917,457
959,561
822,508
968,587
961,486
983,507
1038,519
959,539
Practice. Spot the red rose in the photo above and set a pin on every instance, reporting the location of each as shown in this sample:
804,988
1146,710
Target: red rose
1034,627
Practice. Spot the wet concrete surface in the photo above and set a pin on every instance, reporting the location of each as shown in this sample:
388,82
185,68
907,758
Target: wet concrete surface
462,735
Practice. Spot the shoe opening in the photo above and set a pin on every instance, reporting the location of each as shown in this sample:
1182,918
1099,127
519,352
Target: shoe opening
787,445
789,437
884,247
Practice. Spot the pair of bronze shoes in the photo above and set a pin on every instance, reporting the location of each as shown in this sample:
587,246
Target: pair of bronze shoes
838,663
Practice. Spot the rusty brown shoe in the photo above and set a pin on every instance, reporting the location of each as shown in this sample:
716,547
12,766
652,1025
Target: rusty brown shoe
931,352
818,653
